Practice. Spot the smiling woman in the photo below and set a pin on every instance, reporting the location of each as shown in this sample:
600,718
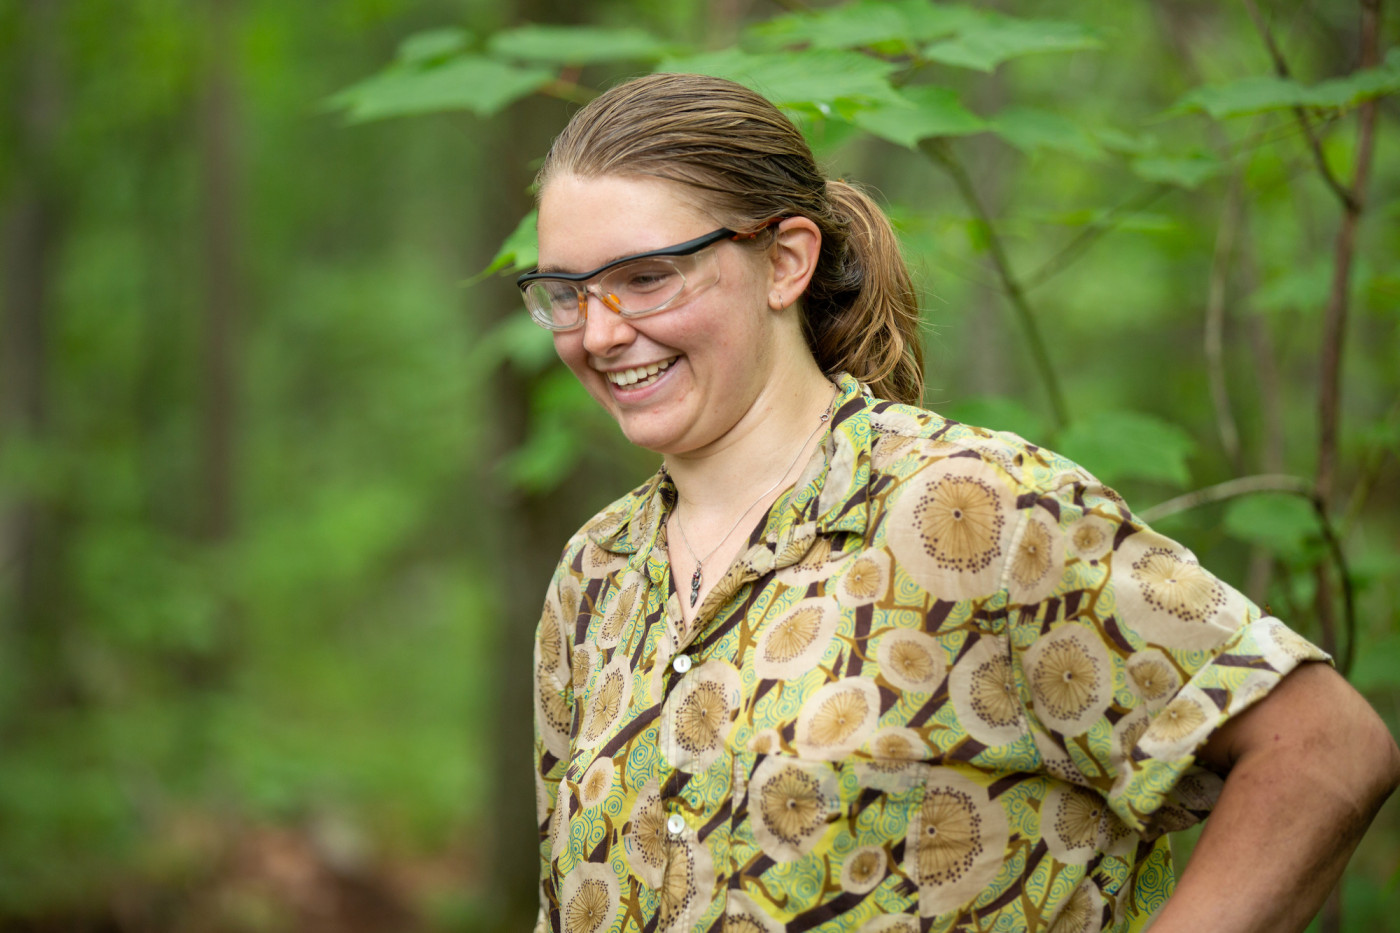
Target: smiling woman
923,673
694,351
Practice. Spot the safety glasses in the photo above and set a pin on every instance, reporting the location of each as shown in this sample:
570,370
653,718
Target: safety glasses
633,286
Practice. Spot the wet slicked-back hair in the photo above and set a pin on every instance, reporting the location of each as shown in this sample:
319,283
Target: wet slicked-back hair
749,164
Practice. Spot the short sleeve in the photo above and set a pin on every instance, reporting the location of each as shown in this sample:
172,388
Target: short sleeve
553,700
1131,653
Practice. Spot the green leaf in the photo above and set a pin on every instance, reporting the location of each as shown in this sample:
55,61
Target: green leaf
517,340
898,23
1363,85
825,136
579,45
1136,222
1031,130
1120,445
1382,293
519,252
1381,435
1303,287
996,38
933,20
825,82
1262,93
1281,524
433,45
1126,143
998,413
1377,668
1375,566
1183,171
562,414
936,111
480,85
1247,95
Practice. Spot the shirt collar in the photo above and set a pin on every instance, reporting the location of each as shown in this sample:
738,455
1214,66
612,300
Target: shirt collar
829,496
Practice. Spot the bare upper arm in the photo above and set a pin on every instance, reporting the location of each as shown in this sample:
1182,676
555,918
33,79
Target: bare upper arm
1313,716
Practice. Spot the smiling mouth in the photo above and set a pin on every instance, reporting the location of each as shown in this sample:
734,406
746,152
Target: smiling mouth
641,375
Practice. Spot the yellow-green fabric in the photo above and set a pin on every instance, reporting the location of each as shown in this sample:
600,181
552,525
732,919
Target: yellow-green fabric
949,680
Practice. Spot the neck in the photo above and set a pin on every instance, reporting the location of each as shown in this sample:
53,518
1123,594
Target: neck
715,482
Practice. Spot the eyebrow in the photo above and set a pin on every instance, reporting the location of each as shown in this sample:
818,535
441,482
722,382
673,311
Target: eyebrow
562,270
679,249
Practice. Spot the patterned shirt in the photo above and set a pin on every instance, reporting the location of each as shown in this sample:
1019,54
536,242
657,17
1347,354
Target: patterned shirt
950,683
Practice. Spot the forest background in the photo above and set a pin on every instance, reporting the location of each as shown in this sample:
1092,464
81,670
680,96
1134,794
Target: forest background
284,467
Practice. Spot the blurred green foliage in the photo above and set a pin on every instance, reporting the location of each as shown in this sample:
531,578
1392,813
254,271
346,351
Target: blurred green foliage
225,725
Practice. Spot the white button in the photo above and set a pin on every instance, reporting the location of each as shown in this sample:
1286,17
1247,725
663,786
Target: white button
681,663
675,823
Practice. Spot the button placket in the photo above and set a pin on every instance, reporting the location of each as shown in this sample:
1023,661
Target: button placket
680,664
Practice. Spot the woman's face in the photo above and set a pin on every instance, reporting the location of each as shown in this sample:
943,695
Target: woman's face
718,347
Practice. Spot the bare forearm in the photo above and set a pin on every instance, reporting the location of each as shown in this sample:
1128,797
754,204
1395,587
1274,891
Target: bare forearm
1265,861
1302,787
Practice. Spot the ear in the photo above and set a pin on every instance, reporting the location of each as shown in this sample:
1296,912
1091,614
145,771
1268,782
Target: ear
794,255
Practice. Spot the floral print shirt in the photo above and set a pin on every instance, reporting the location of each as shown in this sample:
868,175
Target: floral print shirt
950,683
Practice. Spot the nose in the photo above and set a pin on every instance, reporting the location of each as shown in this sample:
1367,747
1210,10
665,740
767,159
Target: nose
605,330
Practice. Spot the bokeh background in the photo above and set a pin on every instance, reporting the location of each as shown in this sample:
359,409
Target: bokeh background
284,468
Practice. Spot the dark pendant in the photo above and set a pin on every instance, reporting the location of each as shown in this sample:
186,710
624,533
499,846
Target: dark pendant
695,586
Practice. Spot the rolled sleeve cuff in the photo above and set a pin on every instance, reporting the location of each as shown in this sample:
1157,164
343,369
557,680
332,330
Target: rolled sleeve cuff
1160,788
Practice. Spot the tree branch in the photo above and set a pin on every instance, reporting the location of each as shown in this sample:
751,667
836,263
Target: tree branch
1216,296
569,91
1092,234
1370,473
1334,548
1230,489
939,151
1335,318
1347,197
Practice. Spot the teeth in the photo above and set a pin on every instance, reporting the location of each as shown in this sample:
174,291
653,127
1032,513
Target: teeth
640,374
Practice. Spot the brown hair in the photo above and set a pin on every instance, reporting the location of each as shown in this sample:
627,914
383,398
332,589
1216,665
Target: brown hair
750,164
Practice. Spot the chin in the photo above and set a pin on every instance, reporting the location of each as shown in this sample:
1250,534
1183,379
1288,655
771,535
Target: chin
656,442
659,435
656,428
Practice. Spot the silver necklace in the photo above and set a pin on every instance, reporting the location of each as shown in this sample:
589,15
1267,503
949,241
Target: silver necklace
700,562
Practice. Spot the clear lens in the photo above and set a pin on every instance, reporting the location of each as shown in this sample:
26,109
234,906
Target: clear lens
644,285
633,288
553,302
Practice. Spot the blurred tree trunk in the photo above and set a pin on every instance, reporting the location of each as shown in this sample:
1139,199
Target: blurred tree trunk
31,233
536,525
223,293
723,19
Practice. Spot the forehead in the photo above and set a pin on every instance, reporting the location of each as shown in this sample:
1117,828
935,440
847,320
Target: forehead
586,222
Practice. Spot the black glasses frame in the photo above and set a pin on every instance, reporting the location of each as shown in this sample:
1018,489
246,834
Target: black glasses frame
680,249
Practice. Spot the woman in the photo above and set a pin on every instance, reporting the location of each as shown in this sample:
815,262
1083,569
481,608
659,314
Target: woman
842,664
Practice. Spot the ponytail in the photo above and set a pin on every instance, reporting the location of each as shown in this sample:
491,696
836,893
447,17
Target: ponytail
741,155
861,312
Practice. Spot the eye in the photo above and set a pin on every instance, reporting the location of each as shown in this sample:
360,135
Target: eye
561,294
553,299
644,278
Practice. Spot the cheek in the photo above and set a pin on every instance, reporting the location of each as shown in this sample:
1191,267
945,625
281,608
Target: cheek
569,348
566,344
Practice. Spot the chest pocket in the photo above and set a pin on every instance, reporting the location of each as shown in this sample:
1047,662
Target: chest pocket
826,837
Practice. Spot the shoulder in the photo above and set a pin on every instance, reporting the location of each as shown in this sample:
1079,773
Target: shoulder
972,512
906,439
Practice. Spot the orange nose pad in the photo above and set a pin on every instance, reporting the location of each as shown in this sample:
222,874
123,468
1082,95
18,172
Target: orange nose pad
609,300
